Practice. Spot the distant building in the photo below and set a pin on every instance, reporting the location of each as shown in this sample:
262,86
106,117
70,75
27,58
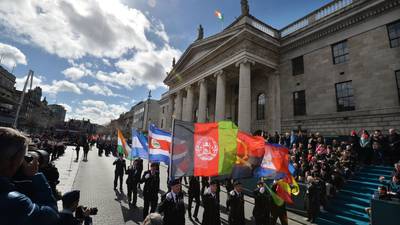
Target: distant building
163,116
59,112
76,127
7,98
144,113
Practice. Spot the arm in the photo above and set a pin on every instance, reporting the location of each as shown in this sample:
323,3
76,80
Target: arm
115,162
43,194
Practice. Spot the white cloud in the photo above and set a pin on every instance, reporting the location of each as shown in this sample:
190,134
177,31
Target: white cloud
99,89
106,62
74,73
20,82
97,111
10,55
52,89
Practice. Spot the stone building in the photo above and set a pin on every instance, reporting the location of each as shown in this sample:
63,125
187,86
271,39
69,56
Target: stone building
145,112
58,112
163,116
334,70
7,98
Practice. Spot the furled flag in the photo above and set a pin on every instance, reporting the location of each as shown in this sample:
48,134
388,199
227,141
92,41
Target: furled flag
275,162
139,145
123,147
203,149
159,145
219,15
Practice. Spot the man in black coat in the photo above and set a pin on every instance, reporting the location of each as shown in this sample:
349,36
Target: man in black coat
173,205
139,166
313,199
194,193
236,205
131,183
211,214
278,211
262,204
120,169
151,180
70,203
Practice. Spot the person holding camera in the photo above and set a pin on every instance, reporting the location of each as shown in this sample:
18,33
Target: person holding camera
16,207
70,205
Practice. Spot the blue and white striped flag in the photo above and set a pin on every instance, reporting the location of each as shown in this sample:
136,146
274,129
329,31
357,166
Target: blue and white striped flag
139,145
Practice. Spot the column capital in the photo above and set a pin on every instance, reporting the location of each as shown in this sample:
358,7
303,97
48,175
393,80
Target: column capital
245,61
201,81
219,73
188,87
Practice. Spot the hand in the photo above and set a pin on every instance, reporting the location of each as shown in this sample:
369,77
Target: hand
31,168
86,212
381,178
147,176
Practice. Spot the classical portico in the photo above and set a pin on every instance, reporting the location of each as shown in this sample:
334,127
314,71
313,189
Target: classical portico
232,75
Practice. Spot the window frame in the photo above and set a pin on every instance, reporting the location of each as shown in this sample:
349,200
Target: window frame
390,40
338,109
296,72
296,110
397,73
259,115
343,55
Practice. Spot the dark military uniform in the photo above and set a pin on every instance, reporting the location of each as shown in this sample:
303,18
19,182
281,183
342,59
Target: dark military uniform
120,168
194,193
173,208
211,209
67,218
262,206
278,211
150,191
131,182
236,208
313,201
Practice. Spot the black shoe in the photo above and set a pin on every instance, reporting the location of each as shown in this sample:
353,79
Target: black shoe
197,219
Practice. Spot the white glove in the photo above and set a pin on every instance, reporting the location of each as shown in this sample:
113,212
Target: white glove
147,176
262,190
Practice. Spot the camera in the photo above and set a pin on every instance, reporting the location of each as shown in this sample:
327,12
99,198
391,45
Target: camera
81,209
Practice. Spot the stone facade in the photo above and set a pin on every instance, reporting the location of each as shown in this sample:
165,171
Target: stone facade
244,73
144,113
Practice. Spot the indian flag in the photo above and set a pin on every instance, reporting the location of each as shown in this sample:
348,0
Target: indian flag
219,15
123,147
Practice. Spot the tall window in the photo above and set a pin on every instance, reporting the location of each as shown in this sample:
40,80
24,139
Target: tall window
261,106
299,103
344,96
340,52
298,65
398,82
394,34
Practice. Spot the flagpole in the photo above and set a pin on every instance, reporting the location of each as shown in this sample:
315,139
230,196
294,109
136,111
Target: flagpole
171,149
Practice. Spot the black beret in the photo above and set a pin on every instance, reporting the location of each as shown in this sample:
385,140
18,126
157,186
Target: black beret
237,183
213,182
173,182
71,197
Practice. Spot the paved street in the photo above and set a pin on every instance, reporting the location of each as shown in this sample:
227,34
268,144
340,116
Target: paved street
95,181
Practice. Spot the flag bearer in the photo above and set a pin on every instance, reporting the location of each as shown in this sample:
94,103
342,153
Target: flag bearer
173,206
278,211
194,193
132,182
211,214
236,205
151,180
262,204
120,168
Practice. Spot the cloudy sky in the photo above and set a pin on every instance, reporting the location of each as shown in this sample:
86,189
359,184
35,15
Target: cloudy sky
100,57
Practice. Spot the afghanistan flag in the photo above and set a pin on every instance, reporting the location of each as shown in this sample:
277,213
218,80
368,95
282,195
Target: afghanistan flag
203,149
123,147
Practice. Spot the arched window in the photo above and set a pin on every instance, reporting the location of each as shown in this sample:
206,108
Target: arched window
261,106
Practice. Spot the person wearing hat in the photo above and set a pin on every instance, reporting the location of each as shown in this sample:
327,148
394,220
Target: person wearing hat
236,205
151,180
173,205
132,183
211,214
262,204
194,193
70,201
120,169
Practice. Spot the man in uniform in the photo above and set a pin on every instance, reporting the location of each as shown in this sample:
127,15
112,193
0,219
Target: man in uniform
131,182
236,205
194,193
151,180
173,206
139,166
120,169
70,201
278,211
262,204
211,206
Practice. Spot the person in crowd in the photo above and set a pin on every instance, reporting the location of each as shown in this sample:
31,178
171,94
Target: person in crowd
382,195
229,188
393,140
173,205
120,169
262,204
236,205
70,202
151,180
365,144
77,149
194,194
393,185
15,207
378,144
313,199
153,219
131,183
211,214
139,165
86,148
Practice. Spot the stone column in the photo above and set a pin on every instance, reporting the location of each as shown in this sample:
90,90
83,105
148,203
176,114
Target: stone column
244,120
168,120
188,112
220,96
202,113
277,102
178,106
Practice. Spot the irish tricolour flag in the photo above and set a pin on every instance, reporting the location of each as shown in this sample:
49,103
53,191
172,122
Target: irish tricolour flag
219,15
123,147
